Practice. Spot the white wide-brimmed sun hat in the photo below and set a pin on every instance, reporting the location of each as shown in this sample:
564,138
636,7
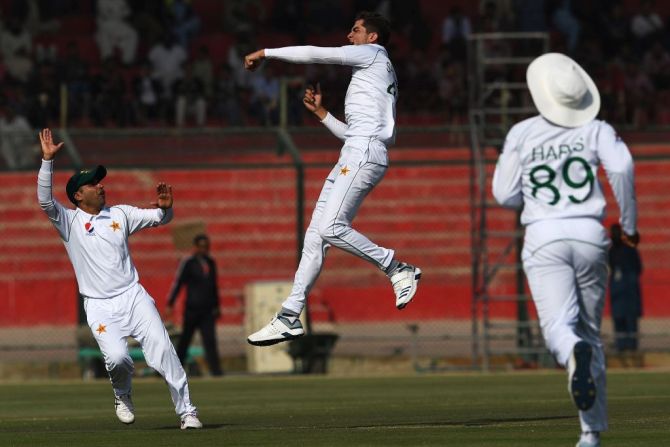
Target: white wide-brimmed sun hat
562,91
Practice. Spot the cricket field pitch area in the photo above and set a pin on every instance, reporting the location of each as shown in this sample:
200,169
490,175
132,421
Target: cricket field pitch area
498,409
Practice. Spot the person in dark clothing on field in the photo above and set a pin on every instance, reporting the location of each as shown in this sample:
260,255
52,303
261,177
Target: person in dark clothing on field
201,310
625,291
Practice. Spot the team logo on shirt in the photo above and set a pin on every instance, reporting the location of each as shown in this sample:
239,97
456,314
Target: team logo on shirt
89,228
115,226
344,170
101,328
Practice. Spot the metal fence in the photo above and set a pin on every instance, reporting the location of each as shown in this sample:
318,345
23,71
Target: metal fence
243,186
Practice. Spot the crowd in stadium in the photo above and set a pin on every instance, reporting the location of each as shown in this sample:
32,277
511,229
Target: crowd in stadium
179,63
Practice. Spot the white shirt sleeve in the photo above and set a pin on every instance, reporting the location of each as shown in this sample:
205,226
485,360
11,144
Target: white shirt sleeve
618,164
337,127
139,218
353,55
507,175
60,217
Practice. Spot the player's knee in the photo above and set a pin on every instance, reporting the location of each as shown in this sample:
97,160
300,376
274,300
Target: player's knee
117,358
332,231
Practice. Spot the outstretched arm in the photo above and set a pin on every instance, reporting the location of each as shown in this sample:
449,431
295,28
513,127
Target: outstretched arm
139,218
56,212
296,55
312,101
49,148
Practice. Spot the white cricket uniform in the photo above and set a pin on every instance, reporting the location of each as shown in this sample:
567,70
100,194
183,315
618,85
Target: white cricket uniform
369,109
551,172
116,305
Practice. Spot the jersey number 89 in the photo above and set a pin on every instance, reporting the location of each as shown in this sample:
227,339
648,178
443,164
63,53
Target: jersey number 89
543,181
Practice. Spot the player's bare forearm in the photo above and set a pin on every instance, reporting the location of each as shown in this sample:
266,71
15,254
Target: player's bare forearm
49,149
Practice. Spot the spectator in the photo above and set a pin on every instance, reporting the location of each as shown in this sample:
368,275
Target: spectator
646,25
198,274
29,12
496,15
148,96
203,70
190,99
111,101
114,31
148,17
17,142
640,95
242,16
567,24
531,15
16,48
625,292
613,95
166,59
74,73
182,21
288,16
656,64
265,97
616,31
455,30
226,97
452,92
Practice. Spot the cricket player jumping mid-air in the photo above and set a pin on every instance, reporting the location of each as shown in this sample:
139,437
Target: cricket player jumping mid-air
369,109
117,306
549,167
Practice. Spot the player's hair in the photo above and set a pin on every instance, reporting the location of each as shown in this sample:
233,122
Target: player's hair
376,23
200,237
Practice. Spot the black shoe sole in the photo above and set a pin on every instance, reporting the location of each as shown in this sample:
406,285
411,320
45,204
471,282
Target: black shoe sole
273,342
582,386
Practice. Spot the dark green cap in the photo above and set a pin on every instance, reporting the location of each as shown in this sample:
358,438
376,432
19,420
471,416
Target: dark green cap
84,177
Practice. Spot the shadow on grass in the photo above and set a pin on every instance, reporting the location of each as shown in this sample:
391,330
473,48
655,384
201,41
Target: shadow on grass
204,427
468,423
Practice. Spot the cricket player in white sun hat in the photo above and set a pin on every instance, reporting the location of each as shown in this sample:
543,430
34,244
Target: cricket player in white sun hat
117,306
548,167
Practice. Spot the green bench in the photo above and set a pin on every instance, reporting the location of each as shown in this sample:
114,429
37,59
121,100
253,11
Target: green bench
92,363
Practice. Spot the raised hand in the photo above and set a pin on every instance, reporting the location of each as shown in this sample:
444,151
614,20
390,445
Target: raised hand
253,60
49,149
312,101
164,200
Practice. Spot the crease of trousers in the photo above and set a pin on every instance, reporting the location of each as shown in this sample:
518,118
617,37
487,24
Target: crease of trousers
568,279
342,194
134,314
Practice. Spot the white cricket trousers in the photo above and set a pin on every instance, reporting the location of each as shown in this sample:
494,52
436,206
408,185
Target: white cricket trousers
348,183
567,279
134,314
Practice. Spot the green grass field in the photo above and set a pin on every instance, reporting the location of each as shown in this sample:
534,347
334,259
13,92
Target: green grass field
502,409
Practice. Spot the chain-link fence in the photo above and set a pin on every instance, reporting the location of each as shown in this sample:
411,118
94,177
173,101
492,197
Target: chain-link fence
242,188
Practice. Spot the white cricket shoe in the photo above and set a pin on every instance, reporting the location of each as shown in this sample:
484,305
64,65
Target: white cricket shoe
591,439
190,420
279,329
405,279
125,410
581,386
588,444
